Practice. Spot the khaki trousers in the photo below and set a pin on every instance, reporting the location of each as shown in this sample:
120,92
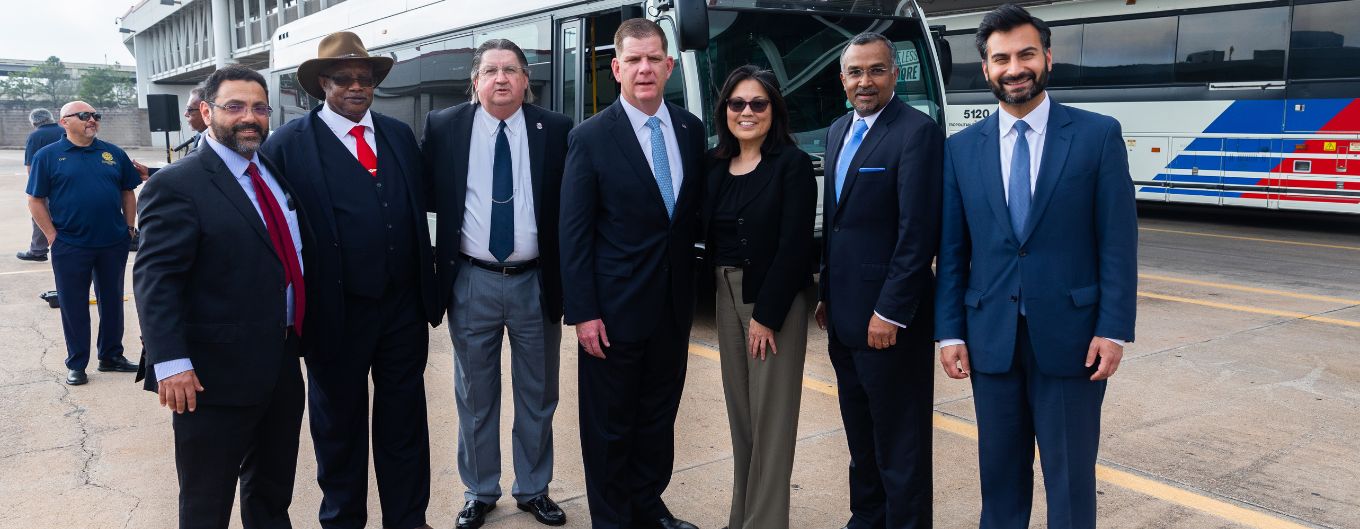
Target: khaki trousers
762,405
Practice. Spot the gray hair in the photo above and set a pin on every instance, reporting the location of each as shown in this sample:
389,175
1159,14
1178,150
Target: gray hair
40,116
499,44
866,38
196,93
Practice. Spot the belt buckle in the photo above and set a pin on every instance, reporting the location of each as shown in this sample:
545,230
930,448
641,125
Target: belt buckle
505,271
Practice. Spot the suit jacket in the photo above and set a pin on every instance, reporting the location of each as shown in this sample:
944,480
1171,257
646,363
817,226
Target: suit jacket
447,136
296,148
208,283
881,236
620,253
1075,263
775,221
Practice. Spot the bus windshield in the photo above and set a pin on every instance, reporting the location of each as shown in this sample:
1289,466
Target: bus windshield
803,51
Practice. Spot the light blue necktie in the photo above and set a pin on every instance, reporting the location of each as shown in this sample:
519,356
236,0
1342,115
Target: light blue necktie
848,153
1019,193
661,165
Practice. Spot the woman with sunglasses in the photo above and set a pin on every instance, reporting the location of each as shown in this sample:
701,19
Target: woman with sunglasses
758,220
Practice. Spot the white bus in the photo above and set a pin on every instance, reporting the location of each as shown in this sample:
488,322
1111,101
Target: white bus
569,45
1222,102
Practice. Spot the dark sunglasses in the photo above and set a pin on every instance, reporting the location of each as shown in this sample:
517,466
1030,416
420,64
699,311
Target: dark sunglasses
84,116
344,81
738,105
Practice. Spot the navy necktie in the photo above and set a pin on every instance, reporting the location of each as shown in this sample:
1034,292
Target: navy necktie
1019,196
502,242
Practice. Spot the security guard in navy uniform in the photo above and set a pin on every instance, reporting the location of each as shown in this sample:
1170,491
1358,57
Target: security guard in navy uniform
81,196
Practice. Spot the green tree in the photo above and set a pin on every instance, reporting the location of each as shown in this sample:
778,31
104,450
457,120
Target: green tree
18,87
106,87
52,80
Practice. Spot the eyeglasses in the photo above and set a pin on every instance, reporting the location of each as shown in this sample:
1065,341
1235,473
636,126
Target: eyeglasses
84,116
738,105
344,80
237,109
875,72
491,71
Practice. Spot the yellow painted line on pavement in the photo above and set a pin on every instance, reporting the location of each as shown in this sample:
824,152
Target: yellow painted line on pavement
1254,290
1254,239
1120,478
1253,310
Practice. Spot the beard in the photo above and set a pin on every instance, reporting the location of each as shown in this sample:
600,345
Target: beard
244,147
865,109
1037,85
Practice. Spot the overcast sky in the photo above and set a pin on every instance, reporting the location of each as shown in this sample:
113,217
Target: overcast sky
74,30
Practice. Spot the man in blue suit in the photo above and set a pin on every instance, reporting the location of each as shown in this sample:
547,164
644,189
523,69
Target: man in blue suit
630,217
359,176
881,229
1037,277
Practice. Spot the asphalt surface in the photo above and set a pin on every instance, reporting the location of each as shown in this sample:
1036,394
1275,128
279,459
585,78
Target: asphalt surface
1235,408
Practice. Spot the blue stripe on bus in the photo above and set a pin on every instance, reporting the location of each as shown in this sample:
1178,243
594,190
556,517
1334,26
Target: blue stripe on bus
1204,193
1226,163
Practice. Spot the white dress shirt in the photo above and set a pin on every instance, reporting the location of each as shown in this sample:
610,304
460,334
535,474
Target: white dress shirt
638,119
237,164
849,132
477,205
1037,120
341,126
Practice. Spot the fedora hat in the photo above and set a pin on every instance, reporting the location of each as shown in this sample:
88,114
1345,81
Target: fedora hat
335,48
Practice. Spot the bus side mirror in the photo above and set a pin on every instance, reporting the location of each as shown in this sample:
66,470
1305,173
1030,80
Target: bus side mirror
946,55
691,23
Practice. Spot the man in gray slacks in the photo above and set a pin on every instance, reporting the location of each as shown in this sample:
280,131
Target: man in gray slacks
495,170
45,132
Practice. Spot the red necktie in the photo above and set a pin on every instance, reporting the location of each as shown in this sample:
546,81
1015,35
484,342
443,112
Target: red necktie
277,226
363,151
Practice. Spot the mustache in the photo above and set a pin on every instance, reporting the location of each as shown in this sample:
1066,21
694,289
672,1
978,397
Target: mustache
247,126
866,91
1026,76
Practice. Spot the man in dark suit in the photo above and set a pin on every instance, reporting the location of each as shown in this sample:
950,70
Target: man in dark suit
358,176
630,207
221,297
880,223
495,165
1038,274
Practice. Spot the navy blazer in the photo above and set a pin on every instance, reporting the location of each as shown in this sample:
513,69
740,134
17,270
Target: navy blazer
1075,264
296,147
209,285
881,236
620,253
445,146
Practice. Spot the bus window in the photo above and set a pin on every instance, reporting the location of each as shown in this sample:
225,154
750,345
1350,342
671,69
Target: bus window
425,77
675,85
1232,46
1066,46
535,38
967,69
600,90
1129,52
293,101
1325,41
569,66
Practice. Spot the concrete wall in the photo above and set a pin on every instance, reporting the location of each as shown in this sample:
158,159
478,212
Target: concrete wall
124,127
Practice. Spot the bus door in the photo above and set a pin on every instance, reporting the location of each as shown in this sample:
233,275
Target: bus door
1195,172
1247,166
1147,157
585,49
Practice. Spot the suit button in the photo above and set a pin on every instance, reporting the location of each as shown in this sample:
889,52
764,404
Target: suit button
1014,299
741,220
389,226
743,242
335,244
452,262
836,229
1023,253
384,204
379,184
746,261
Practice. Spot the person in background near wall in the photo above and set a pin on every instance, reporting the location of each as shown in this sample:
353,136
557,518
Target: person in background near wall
81,194
221,296
758,217
46,131
881,221
1038,278
495,166
360,176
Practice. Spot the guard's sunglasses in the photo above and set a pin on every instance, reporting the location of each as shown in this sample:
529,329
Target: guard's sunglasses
84,116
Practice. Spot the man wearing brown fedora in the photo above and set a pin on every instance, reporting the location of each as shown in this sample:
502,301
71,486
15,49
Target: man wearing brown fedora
371,287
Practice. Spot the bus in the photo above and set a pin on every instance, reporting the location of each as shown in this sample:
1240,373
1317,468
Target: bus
1229,103
569,45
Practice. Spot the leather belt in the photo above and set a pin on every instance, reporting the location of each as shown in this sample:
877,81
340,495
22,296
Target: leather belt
505,269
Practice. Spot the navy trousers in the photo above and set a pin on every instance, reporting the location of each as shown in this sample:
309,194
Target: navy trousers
1019,407
74,267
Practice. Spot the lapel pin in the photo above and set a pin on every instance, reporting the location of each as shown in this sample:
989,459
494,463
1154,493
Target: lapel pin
539,125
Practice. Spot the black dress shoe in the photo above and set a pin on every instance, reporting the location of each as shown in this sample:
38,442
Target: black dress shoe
76,377
473,514
544,510
671,522
30,256
119,364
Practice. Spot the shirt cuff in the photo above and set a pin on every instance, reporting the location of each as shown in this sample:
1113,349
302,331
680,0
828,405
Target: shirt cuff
880,316
170,368
1116,342
948,342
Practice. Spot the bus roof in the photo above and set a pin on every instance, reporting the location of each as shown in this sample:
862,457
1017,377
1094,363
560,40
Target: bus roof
383,22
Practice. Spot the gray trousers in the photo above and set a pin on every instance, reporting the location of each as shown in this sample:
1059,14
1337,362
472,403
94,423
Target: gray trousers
485,305
37,245
762,405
